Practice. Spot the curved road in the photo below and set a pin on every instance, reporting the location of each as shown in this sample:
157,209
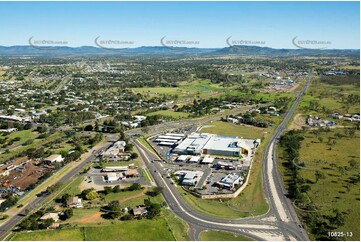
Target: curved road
281,221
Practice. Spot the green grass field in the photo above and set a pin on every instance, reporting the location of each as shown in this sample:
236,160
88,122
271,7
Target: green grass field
145,143
169,113
92,227
179,227
144,229
145,173
186,90
50,235
269,97
121,163
213,235
334,190
23,135
122,195
228,129
37,143
329,97
136,230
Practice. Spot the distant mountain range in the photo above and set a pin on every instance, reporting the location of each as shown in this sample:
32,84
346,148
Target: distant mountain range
64,51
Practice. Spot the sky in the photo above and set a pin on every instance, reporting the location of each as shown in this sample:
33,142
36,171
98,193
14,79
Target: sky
203,24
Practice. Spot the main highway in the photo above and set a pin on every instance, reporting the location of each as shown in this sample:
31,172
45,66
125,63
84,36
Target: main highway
279,223
10,223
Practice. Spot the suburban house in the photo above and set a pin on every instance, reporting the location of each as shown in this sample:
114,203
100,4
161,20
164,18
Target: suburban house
140,211
54,158
53,216
74,202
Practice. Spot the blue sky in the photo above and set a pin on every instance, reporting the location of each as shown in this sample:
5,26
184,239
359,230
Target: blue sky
209,23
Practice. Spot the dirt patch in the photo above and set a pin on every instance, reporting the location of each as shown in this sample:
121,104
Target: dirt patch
23,173
297,122
91,218
292,89
132,197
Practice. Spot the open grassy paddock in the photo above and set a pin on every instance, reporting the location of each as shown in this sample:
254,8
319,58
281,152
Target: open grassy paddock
88,224
156,229
330,154
331,96
228,129
185,90
36,143
49,235
169,113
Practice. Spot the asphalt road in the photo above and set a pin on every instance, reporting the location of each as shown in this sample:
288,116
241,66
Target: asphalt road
162,127
281,220
258,228
9,224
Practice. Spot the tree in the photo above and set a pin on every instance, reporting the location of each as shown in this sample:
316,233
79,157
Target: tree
65,198
314,105
153,210
46,223
41,129
91,195
67,213
89,127
352,163
85,194
128,147
339,219
28,142
107,190
114,209
96,127
134,156
155,191
27,211
319,175
27,126
116,189
352,132
134,186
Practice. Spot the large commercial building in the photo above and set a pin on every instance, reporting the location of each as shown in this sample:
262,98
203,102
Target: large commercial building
211,144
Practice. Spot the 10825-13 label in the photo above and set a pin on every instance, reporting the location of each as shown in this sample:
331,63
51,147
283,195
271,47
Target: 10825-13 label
339,234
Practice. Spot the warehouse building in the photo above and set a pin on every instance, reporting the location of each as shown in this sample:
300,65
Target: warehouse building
193,144
212,144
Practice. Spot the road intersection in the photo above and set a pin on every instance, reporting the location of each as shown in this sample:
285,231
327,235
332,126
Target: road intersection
281,221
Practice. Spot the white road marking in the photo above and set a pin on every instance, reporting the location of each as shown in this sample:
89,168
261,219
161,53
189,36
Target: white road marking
244,226
276,198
